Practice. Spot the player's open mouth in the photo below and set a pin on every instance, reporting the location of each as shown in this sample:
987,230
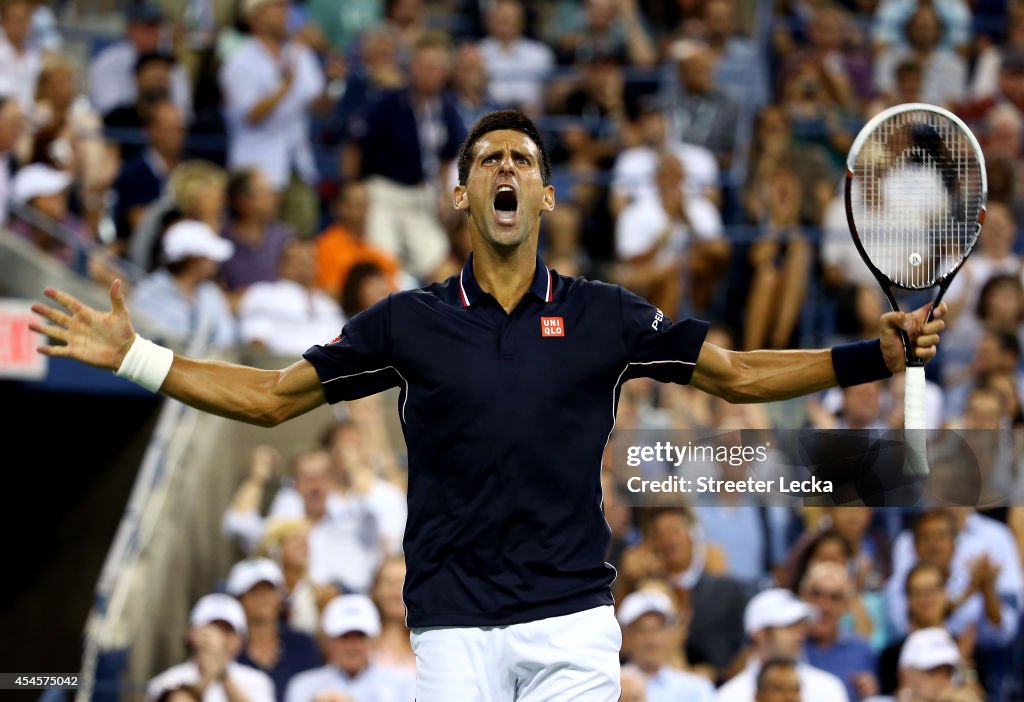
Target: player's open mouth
506,205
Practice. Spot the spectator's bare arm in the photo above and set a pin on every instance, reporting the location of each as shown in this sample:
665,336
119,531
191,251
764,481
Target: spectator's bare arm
641,49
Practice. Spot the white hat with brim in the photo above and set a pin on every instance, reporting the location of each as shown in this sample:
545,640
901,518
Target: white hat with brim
347,613
928,649
218,608
641,602
774,608
192,239
38,180
245,575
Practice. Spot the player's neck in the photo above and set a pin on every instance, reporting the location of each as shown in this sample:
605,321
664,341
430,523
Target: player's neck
506,277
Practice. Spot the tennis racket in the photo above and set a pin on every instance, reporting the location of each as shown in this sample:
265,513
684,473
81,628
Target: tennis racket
915,200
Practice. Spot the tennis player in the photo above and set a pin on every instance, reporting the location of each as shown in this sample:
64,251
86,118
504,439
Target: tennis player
509,376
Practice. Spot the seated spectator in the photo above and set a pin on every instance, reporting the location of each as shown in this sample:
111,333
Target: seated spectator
180,299
143,179
907,85
633,684
216,636
270,646
702,112
392,647
781,263
470,84
645,616
343,244
858,298
365,286
406,21
634,173
929,667
517,66
778,681
286,540
406,147
927,607
12,125
828,589
125,123
985,79
350,624
892,16
778,624
259,239
20,61
580,30
996,351
673,548
944,72
287,316
658,238
112,72
270,84
738,66
845,69
994,255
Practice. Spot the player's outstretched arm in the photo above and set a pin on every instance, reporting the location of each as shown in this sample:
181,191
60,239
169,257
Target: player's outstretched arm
765,376
103,339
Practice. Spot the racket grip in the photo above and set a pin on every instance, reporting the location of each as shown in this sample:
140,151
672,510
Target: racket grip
916,462
913,398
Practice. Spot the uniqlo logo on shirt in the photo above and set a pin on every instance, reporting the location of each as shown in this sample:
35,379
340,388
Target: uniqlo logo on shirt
552,326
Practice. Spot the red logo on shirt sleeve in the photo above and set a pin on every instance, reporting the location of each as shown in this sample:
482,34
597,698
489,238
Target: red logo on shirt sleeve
552,326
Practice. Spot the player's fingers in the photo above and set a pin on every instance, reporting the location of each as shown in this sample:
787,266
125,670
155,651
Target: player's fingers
925,352
940,311
50,330
53,350
65,299
934,326
52,314
928,340
117,299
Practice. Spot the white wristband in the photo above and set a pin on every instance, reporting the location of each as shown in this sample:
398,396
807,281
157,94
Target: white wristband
146,364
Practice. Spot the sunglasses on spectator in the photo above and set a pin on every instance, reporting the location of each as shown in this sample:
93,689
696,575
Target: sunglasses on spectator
833,595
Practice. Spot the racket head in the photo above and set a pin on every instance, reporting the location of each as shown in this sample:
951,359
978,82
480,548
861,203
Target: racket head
916,192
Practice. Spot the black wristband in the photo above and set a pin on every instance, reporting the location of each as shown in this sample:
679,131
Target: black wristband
860,362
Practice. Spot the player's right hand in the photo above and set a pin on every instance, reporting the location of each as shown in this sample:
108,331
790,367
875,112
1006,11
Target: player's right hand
100,339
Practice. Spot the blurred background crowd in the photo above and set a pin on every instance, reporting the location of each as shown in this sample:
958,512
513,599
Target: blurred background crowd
261,170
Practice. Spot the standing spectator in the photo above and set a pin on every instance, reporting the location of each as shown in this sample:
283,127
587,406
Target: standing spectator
20,62
469,84
738,67
703,113
517,66
153,76
393,647
944,71
645,617
216,634
343,244
406,146
603,27
892,16
827,588
181,300
111,71
273,647
12,124
269,86
777,622
350,624
253,228
142,180
289,314
778,681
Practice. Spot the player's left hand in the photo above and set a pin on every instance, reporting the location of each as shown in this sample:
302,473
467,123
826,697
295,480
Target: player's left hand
924,337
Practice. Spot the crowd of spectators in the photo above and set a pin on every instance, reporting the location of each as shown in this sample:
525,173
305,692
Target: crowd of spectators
262,170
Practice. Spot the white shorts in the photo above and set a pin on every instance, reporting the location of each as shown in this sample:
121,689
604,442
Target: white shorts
572,657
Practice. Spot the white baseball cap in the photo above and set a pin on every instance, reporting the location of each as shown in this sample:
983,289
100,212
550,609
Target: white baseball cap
38,179
927,649
772,608
347,613
641,602
193,238
245,575
218,608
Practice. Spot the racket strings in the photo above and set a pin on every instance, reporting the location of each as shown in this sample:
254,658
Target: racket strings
916,197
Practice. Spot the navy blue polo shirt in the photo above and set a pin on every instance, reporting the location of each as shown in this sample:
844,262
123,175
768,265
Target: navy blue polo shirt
506,417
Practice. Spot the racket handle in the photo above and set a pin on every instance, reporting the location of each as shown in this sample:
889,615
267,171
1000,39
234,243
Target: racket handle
914,421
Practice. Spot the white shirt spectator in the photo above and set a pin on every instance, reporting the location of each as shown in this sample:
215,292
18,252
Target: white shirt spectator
112,80
670,685
18,72
257,685
943,79
642,224
891,17
374,684
815,684
286,317
280,143
517,73
636,168
179,318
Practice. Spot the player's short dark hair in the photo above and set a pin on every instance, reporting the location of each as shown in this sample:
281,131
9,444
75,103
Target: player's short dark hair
768,666
513,120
